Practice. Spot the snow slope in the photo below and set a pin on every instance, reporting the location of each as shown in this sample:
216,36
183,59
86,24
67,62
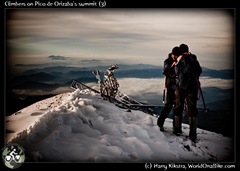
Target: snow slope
80,126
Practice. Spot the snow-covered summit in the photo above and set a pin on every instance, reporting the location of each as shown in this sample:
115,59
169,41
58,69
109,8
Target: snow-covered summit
80,126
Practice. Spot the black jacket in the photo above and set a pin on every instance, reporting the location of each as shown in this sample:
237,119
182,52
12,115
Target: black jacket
169,72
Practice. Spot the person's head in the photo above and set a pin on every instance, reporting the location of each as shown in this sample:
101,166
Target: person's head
184,48
176,52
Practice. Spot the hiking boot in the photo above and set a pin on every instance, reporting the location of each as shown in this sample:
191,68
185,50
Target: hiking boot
193,138
161,128
193,128
177,131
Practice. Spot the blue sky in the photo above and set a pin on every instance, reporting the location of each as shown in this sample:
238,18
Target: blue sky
67,36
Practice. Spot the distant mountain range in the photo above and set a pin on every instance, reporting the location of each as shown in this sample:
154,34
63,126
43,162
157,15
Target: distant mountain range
50,78
61,76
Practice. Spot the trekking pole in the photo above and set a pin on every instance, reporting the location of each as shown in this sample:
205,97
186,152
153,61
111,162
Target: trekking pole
205,108
164,90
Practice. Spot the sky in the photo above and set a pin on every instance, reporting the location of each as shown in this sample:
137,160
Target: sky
79,126
68,36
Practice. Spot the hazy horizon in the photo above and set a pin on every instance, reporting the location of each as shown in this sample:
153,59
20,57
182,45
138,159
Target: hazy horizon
70,36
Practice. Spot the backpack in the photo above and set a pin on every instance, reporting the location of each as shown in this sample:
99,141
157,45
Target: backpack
188,71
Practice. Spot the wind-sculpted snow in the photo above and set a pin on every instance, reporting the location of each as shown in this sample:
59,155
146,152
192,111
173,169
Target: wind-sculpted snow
80,126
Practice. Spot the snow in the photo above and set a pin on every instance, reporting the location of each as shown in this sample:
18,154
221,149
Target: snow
80,126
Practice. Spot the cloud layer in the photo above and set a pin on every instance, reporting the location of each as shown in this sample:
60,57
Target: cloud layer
145,35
